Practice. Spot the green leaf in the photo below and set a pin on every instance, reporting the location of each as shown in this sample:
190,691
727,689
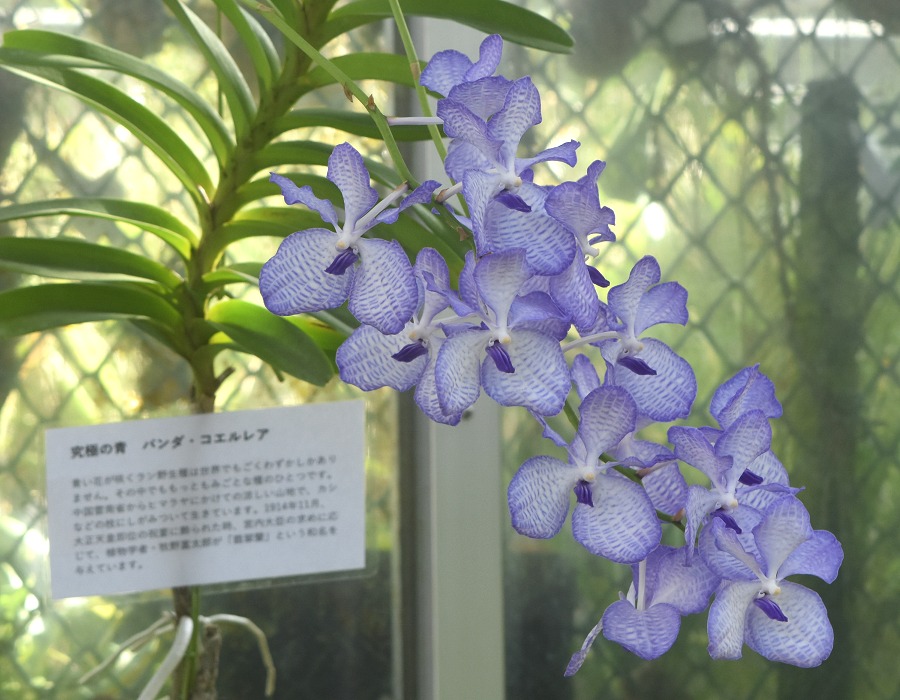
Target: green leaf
62,49
44,306
145,216
149,128
350,122
258,44
273,339
67,257
269,221
515,23
231,80
243,273
315,153
389,67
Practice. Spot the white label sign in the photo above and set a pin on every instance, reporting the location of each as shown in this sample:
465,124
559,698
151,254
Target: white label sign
211,498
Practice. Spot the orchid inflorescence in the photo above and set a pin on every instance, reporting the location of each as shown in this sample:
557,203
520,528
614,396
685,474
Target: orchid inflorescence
526,284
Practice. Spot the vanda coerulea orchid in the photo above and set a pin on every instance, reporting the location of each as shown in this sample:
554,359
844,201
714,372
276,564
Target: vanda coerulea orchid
528,294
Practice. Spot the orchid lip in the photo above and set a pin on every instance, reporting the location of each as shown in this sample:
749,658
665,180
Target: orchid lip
583,493
342,261
501,357
770,608
411,351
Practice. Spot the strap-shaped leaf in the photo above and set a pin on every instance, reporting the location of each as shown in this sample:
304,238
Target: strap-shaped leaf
238,273
145,216
150,129
56,48
269,221
389,67
258,44
350,122
28,309
315,153
489,16
273,339
231,80
73,258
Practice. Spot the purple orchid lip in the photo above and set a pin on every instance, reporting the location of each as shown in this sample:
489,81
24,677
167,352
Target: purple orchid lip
501,358
411,351
342,262
636,365
597,277
583,493
771,609
730,522
749,478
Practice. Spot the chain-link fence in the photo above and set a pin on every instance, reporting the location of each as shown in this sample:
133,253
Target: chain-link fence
754,149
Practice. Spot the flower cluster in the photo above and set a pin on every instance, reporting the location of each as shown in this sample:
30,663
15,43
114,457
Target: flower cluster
505,326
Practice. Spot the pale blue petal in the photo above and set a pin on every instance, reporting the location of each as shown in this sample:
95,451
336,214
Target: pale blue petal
608,414
682,581
484,97
722,562
624,299
444,70
700,503
744,440
304,195
584,375
575,294
662,397
461,123
805,640
489,54
521,111
664,303
539,496
692,448
499,278
364,360
426,395
785,526
646,633
579,656
821,555
577,206
746,390
772,471
622,526
564,153
540,381
667,488
463,157
347,170
728,619
458,370
548,246
294,280
384,292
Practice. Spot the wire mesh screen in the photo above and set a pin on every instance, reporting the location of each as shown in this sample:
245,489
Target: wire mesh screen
753,148
334,639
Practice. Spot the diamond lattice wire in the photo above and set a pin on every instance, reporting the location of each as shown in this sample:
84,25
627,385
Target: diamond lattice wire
700,109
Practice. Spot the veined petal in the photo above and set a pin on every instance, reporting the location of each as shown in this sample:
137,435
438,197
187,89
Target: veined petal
458,370
646,633
484,97
294,280
347,170
584,375
667,488
728,618
579,656
663,397
821,555
622,526
489,53
540,381
608,414
433,291
364,360
785,526
461,123
304,195
574,293
463,157
384,292
686,583
700,503
564,153
521,111
444,70
539,496
664,303
624,299
722,562
692,448
548,247
748,389
499,277
426,395
577,206
805,640
744,440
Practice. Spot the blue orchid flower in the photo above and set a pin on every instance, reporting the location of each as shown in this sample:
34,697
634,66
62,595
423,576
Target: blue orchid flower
449,69
613,516
505,343
778,619
319,269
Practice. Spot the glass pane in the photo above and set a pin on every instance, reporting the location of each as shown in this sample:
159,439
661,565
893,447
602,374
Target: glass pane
753,149
334,637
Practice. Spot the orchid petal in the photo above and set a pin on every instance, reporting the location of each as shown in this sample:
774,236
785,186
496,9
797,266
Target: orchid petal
426,395
499,278
347,170
646,633
746,390
728,618
785,527
664,303
294,280
304,195
624,299
384,292
457,370
539,496
365,361
821,555
608,414
685,586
